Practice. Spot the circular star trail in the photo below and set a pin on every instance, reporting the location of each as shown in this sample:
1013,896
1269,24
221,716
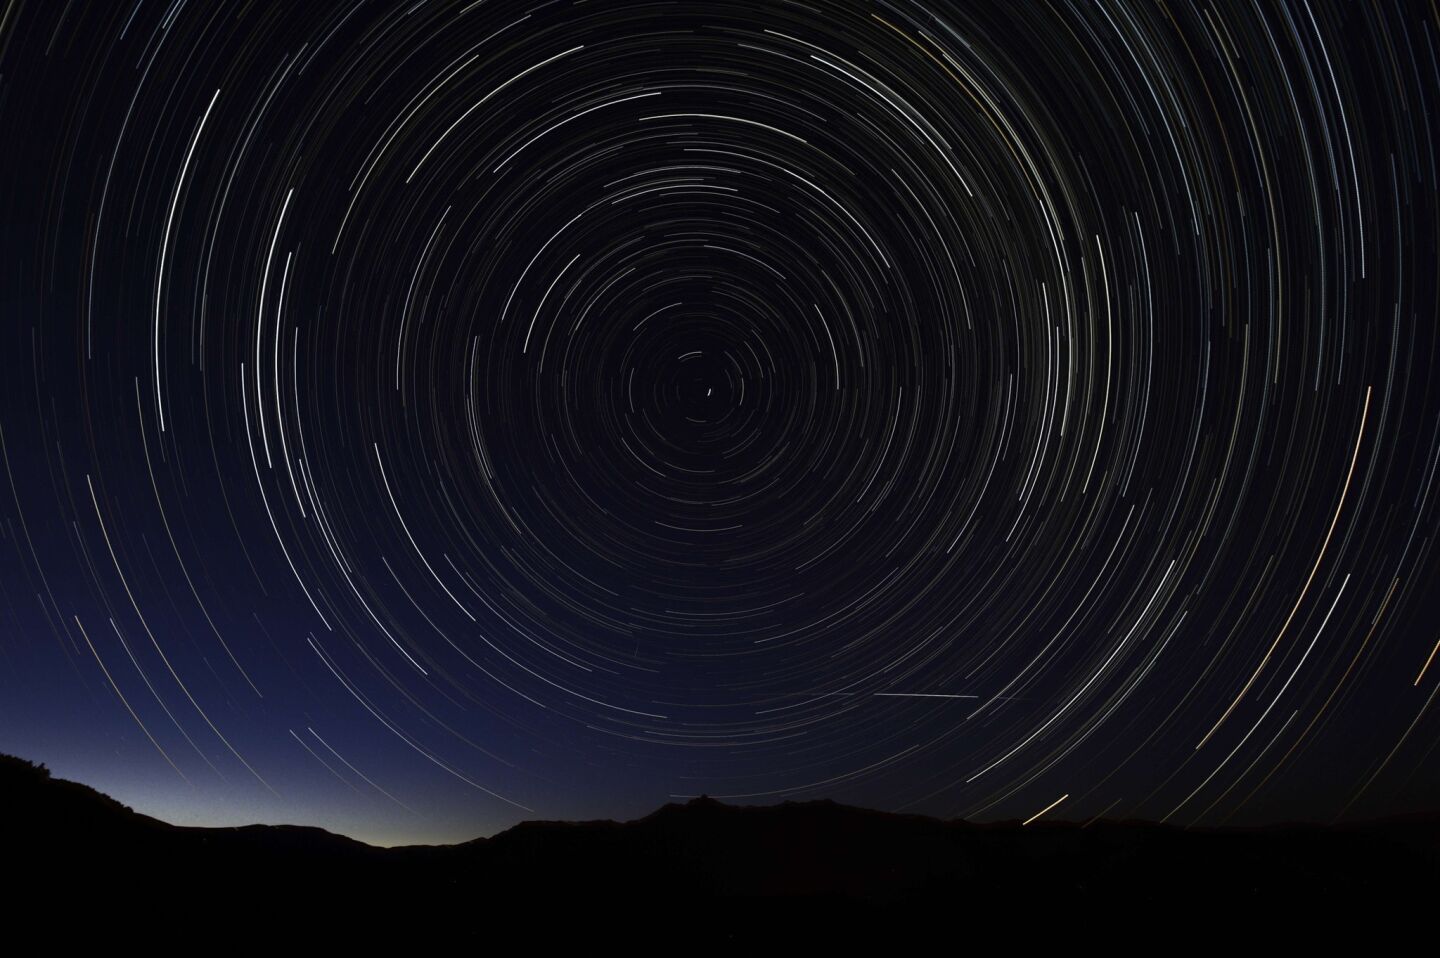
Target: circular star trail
423,416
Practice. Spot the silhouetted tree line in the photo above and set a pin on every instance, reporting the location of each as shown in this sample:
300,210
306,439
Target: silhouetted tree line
11,765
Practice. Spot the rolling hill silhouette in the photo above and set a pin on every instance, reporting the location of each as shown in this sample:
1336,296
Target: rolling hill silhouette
70,840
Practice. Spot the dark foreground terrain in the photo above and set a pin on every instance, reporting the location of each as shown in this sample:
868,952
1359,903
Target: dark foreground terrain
64,845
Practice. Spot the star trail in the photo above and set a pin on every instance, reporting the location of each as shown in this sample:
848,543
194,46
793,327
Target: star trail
418,417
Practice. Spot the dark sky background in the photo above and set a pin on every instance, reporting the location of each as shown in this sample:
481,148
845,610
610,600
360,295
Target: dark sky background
418,417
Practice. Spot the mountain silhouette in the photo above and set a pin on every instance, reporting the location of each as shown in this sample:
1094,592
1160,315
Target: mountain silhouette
70,840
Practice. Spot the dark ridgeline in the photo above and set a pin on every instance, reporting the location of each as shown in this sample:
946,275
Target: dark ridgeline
78,847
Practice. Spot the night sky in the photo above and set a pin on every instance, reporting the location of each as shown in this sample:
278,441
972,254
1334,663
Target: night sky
420,417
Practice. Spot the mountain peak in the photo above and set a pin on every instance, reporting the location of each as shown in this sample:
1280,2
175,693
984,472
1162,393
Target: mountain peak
705,801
